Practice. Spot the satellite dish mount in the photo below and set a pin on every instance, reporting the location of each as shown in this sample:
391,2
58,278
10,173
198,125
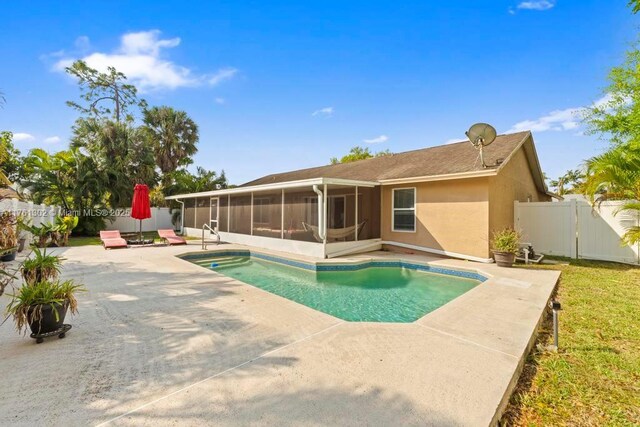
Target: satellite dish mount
481,135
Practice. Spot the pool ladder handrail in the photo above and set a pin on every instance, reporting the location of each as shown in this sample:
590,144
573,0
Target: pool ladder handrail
211,230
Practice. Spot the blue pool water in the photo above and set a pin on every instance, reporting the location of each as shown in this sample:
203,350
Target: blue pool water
373,294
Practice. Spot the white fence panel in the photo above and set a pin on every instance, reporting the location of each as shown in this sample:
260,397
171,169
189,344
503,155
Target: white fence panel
160,219
549,227
576,229
600,232
39,214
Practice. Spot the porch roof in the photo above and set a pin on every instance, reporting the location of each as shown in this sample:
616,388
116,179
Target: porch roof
277,186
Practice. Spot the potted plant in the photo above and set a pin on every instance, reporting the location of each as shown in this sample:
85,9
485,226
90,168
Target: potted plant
8,236
43,306
41,267
505,246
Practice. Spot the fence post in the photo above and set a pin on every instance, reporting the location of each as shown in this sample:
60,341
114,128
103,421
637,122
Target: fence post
575,228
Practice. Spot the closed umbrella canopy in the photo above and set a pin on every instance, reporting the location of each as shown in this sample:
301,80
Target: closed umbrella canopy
140,207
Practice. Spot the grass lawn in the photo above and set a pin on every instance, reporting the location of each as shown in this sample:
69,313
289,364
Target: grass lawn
594,379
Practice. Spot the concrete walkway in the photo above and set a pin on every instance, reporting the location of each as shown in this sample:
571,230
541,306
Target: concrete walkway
161,341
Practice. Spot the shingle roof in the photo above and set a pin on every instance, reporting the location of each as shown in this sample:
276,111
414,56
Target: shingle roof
447,159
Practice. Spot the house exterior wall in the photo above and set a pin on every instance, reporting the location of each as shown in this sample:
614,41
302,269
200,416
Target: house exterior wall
451,216
513,182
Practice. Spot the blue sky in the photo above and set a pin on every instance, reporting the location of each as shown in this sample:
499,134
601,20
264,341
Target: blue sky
276,86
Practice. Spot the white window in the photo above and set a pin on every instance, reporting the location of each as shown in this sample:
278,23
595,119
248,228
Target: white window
403,210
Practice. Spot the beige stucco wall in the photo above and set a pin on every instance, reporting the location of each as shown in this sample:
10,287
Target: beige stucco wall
513,182
450,215
461,215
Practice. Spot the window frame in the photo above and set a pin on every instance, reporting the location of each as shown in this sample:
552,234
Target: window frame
394,209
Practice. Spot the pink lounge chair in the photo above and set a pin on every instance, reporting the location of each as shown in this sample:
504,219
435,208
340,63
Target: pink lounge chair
171,238
112,239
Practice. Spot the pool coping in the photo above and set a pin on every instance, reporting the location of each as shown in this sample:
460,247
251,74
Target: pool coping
432,320
350,265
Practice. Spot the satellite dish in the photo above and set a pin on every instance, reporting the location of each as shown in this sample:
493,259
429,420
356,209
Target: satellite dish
481,135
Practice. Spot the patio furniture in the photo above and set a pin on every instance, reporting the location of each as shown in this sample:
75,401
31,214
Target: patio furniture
112,239
335,233
169,236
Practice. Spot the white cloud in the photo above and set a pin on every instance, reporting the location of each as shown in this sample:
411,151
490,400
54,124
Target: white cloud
21,136
453,141
139,57
52,140
323,112
220,101
377,140
221,75
536,5
602,102
557,120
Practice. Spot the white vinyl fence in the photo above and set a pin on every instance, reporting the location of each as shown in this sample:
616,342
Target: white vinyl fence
160,219
39,214
576,229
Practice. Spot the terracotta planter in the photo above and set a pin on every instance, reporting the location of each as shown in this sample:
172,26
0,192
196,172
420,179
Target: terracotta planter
504,259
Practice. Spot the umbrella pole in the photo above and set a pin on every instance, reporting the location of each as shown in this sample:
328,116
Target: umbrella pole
141,231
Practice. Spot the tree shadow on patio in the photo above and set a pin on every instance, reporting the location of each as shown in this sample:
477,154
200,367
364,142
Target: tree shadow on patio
143,330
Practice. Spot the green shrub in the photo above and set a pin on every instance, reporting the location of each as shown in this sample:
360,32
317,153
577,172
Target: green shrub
507,240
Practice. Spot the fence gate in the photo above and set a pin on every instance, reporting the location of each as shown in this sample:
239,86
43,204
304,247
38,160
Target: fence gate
576,229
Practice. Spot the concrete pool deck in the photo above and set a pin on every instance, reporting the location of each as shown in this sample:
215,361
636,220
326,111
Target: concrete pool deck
161,341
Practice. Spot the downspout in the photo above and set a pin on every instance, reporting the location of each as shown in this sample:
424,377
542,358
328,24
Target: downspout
325,211
181,216
321,228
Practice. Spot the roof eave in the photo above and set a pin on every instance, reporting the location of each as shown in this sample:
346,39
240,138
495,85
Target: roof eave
276,186
444,177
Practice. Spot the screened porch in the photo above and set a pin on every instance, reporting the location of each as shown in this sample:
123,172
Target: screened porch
320,217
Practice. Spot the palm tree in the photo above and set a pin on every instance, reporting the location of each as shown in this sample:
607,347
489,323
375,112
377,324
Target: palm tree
173,137
570,182
615,175
120,157
4,150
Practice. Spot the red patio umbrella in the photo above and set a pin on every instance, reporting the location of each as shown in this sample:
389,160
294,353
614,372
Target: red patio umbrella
140,208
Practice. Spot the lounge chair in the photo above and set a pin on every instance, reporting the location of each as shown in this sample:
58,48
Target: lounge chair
112,239
169,236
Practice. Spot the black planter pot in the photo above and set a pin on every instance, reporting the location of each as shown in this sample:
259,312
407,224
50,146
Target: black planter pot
8,257
47,322
504,259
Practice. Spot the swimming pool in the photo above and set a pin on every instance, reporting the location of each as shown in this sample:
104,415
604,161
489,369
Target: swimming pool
377,291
